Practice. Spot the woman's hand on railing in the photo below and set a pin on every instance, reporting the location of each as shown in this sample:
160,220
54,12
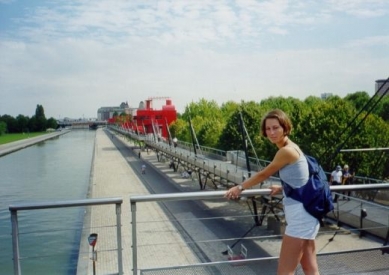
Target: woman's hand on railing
233,193
275,189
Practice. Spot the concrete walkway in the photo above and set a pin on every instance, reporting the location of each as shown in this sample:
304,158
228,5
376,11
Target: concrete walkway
112,176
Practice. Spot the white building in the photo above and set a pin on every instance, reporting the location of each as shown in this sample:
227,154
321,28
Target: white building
379,85
105,113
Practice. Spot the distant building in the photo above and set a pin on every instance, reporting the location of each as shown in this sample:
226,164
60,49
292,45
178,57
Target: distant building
325,95
379,85
105,113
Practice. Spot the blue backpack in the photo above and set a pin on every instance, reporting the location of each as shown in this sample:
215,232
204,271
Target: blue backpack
315,194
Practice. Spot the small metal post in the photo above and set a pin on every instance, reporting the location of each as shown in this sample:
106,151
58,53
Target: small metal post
15,242
362,216
134,241
119,237
94,258
337,214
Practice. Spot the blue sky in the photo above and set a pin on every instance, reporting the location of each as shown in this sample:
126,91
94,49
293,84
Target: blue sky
73,57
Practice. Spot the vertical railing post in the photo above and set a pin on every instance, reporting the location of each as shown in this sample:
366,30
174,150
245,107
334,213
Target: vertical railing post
15,242
134,241
363,215
337,215
119,237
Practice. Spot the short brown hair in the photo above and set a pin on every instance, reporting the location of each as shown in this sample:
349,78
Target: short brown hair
282,118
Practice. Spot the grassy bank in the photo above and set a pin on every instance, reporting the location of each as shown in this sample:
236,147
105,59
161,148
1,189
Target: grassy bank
7,138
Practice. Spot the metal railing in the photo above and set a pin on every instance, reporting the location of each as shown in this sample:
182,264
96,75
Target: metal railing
215,195
14,209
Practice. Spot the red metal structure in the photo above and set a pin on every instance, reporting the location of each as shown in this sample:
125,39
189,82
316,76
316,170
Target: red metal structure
146,120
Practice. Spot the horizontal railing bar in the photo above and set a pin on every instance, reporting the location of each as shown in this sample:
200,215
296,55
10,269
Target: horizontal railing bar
364,149
69,203
193,195
353,187
246,193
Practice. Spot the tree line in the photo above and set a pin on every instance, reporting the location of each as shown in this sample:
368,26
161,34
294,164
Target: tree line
25,124
321,127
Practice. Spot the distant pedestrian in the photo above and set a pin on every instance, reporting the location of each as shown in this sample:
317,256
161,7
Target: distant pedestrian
347,179
143,169
139,154
175,141
336,179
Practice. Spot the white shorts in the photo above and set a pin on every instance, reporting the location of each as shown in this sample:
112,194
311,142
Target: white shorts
299,223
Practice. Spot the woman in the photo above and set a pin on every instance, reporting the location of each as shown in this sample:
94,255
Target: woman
298,243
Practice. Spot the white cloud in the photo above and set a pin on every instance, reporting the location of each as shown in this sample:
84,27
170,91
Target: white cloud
361,8
382,41
75,57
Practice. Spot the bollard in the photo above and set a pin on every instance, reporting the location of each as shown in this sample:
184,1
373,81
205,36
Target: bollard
363,215
92,239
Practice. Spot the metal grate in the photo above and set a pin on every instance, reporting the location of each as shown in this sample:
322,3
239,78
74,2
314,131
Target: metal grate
367,262
361,262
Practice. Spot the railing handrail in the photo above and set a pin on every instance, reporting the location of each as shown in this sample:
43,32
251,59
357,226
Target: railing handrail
60,204
246,193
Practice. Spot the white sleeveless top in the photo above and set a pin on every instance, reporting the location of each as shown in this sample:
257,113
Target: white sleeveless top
296,175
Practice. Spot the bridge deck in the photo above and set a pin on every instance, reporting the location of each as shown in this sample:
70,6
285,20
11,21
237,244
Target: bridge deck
218,173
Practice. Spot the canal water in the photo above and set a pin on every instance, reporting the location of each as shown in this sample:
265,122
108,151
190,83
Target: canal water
53,170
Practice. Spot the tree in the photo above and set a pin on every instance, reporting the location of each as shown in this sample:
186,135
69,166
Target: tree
12,124
358,99
32,124
180,130
231,136
22,122
320,130
210,132
52,123
382,108
3,128
320,127
202,115
40,119
228,108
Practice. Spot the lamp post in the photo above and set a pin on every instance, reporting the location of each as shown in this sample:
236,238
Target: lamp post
92,239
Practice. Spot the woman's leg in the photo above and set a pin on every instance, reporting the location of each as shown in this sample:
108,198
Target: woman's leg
295,251
308,260
290,255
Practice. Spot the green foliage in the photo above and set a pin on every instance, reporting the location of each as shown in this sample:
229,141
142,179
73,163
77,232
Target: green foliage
39,112
382,109
3,128
12,124
52,123
40,119
320,127
7,138
24,124
209,133
180,130
228,108
358,99
231,135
